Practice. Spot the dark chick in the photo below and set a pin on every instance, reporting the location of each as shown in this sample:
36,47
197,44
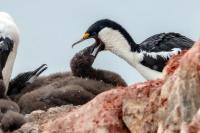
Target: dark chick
12,121
66,88
10,117
81,66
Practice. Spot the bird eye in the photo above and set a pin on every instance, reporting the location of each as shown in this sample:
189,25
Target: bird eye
94,33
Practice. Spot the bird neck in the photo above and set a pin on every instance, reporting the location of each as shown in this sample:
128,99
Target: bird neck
120,44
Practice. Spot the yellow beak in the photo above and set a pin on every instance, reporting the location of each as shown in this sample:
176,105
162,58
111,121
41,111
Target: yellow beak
86,35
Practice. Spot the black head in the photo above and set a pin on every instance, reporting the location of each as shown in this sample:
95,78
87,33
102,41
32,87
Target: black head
24,79
94,30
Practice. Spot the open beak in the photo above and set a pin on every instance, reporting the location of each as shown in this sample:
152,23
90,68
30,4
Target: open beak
97,48
98,45
40,69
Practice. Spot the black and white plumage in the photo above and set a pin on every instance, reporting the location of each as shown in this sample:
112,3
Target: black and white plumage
9,40
24,79
149,57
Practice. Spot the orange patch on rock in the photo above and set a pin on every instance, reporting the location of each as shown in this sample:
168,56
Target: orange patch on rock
174,62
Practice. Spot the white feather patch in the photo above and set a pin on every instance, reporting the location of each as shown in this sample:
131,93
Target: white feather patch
116,43
166,54
9,29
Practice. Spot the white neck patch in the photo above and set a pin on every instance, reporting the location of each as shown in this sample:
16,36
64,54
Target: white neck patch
117,44
9,29
113,40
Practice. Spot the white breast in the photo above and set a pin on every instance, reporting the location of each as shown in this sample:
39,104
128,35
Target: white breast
148,73
9,29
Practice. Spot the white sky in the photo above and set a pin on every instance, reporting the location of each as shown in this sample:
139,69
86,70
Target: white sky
49,27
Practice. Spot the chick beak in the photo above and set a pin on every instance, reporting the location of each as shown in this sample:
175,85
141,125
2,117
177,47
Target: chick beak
85,37
97,48
40,69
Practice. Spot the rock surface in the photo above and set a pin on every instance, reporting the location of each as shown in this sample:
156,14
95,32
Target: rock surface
163,106
181,92
39,117
192,127
139,113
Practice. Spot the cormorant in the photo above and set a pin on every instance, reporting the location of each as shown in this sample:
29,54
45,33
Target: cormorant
148,57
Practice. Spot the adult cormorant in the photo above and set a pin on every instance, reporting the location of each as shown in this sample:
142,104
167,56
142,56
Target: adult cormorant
148,57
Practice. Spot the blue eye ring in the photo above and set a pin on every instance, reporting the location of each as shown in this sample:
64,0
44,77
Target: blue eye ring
94,33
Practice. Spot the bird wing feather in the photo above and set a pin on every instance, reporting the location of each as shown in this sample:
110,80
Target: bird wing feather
157,49
166,42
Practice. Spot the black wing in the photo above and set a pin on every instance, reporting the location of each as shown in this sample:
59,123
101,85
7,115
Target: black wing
166,42
163,42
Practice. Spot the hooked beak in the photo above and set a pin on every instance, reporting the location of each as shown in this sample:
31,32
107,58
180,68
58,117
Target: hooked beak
85,37
98,45
40,69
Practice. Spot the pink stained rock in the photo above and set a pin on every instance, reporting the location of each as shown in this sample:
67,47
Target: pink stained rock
193,126
181,93
101,115
173,63
139,113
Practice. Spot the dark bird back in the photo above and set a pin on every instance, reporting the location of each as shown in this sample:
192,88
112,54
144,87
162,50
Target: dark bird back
160,43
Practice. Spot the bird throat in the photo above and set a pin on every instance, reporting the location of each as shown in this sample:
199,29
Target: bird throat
115,42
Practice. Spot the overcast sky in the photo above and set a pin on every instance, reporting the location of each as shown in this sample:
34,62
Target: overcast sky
49,27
